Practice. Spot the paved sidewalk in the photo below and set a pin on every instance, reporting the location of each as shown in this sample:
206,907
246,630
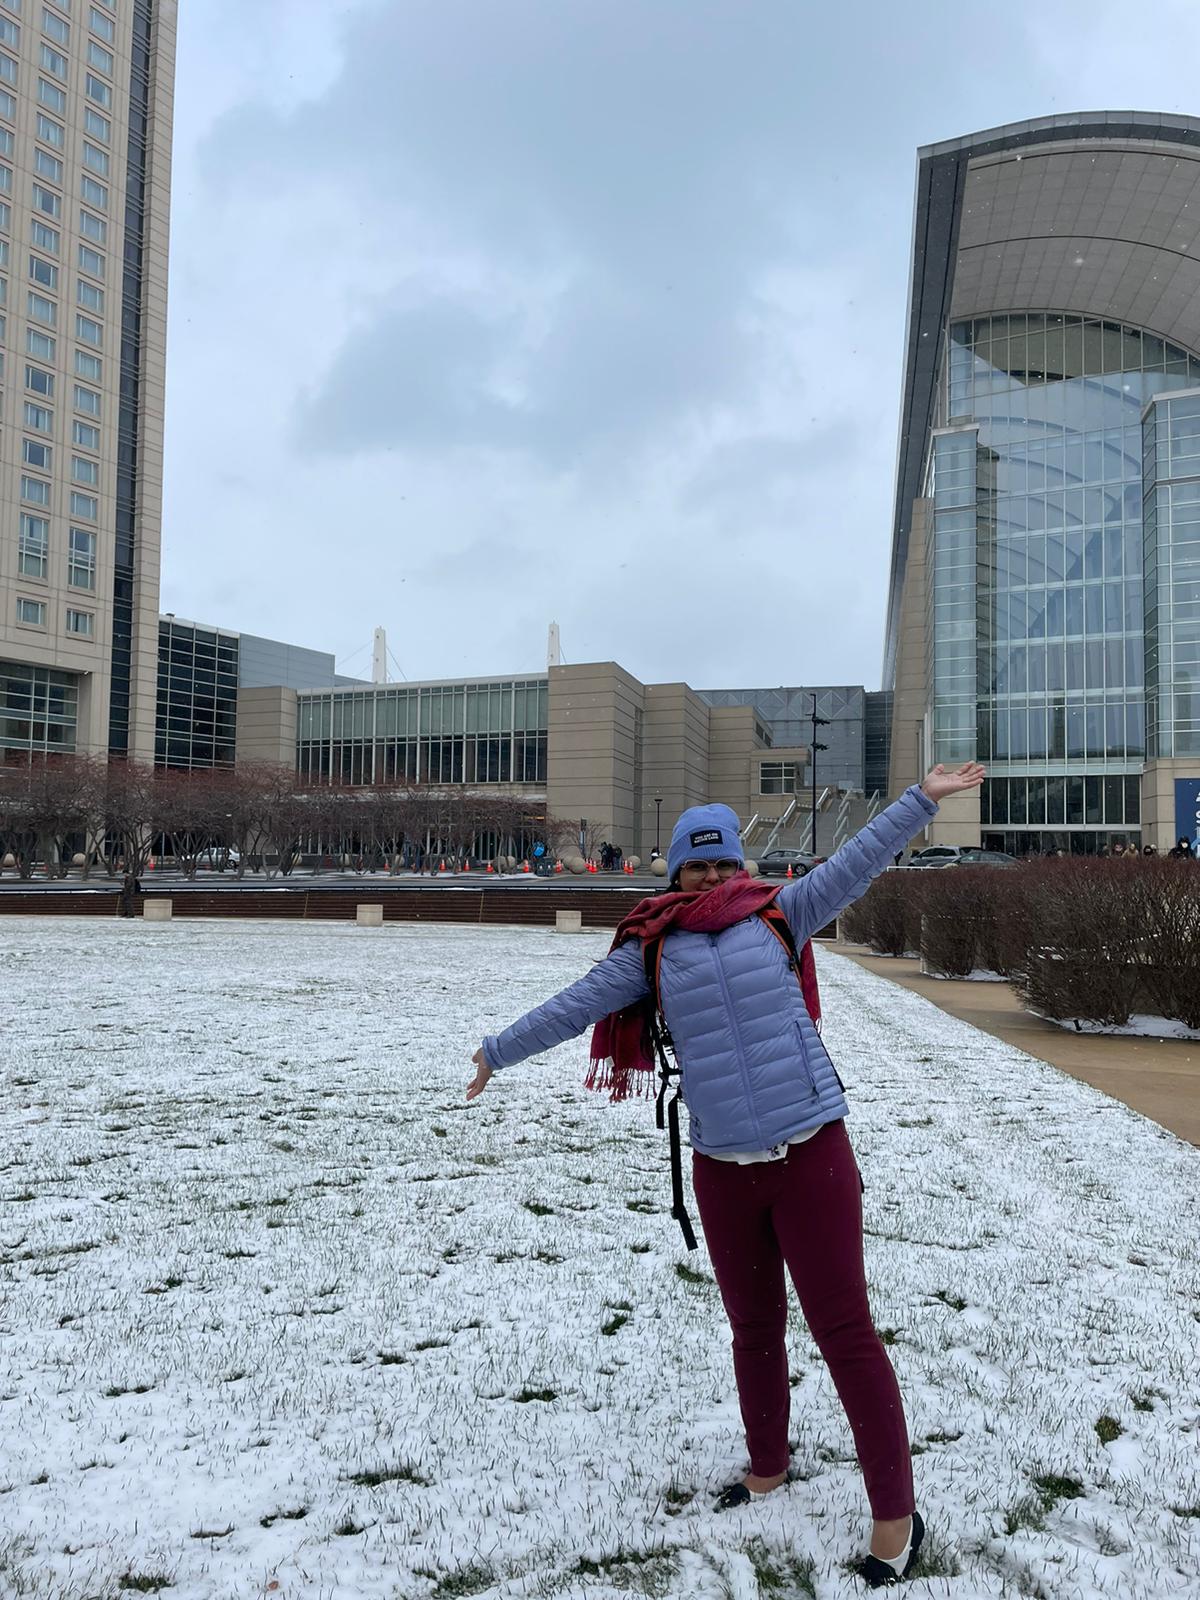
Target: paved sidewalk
1158,1077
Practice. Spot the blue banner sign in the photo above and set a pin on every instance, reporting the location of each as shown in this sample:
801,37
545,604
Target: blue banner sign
1187,809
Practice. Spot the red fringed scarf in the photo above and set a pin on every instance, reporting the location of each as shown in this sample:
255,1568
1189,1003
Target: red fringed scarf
622,1055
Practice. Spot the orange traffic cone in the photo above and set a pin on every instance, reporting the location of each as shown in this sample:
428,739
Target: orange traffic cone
528,868
441,866
558,866
790,873
490,867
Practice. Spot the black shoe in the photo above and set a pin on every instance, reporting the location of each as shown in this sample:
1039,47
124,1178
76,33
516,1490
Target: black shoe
735,1495
880,1574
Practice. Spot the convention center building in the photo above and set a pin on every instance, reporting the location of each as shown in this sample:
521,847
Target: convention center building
1044,605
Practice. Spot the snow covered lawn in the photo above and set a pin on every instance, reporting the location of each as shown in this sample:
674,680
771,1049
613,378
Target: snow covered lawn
281,1314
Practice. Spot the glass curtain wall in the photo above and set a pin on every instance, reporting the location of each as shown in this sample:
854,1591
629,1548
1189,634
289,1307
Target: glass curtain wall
481,733
196,721
38,712
1051,406
1171,517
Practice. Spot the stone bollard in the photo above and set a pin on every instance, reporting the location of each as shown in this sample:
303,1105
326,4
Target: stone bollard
157,910
369,916
659,867
568,922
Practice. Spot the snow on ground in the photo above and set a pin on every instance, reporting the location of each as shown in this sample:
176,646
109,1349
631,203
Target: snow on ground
280,1314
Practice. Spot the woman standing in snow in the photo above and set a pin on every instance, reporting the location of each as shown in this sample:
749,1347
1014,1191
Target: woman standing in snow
774,1175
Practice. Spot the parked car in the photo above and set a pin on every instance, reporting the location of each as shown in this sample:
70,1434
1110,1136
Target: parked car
936,855
973,857
212,858
776,863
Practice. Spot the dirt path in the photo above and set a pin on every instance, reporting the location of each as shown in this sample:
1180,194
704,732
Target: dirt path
1158,1077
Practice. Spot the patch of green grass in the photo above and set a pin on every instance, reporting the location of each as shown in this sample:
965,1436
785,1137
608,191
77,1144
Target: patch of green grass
431,1344
401,1473
941,1437
348,1528
675,1497
954,1301
1052,1488
639,1249
526,1395
144,1582
1108,1429
212,1533
296,1515
685,1274
779,1572
547,1257
887,1335
648,1572
614,1323
391,1358
115,1392
467,1580
538,1209
643,1207
1186,1511
1024,1513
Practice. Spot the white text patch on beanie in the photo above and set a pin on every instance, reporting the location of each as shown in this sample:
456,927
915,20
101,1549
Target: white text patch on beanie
706,836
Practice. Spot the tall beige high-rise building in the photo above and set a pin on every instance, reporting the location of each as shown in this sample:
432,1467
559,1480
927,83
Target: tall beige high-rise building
86,90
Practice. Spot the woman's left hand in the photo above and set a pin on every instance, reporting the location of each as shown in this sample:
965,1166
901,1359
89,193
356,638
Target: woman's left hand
939,783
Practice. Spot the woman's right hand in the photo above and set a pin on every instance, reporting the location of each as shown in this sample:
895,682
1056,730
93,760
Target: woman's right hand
483,1072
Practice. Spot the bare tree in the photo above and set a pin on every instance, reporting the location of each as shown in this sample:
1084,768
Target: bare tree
192,814
130,813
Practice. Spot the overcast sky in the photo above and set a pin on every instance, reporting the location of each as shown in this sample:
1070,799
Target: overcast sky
487,313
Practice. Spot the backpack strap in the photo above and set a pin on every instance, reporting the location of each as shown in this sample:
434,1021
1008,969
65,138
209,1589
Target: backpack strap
801,961
668,1068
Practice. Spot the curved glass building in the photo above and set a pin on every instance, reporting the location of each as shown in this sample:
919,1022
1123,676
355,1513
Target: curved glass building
1044,611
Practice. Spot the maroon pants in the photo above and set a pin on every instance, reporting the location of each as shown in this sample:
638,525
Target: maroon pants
804,1212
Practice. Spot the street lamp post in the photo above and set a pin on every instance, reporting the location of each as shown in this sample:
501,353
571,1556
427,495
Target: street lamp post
658,825
817,722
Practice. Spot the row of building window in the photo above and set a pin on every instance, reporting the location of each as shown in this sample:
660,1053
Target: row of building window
36,492
1075,801
508,758
38,706
32,614
33,552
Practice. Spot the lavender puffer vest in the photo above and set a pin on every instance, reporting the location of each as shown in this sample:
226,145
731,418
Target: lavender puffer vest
755,1072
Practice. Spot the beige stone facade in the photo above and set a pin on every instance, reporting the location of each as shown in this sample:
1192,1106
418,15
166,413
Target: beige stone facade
266,726
61,428
617,746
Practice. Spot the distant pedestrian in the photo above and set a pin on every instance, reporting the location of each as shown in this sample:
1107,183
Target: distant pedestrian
1182,850
1149,850
774,1174
131,889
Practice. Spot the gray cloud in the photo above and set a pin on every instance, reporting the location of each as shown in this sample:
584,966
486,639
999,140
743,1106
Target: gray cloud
562,307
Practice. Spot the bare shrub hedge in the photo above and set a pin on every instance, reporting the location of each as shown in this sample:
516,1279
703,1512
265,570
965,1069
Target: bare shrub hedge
888,917
1078,938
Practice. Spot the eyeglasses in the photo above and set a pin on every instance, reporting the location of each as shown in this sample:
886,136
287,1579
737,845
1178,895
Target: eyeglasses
725,869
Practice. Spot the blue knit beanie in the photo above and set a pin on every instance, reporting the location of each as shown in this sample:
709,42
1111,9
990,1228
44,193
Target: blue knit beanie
704,833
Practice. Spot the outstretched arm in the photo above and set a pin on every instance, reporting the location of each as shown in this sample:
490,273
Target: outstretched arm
611,985
814,900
